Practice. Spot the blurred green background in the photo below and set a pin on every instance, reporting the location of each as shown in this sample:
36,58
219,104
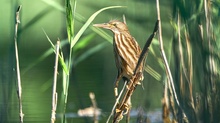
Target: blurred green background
96,73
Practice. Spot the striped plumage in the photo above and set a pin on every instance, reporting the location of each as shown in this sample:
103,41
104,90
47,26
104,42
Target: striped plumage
126,50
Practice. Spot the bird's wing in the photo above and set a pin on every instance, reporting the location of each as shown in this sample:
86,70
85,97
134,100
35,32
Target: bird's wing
129,51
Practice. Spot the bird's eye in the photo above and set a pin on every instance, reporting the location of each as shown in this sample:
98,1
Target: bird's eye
114,24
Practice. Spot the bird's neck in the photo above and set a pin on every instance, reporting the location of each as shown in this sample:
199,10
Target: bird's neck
126,33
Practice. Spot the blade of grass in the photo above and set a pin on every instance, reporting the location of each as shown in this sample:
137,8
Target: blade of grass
88,22
61,59
79,18
70,12
84,42
43,56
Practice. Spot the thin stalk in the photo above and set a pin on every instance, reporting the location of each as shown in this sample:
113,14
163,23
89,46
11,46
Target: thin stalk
54,94
210,46
19,91
168,71
180,47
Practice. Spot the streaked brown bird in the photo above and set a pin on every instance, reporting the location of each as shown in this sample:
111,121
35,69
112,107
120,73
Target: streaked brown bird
126,51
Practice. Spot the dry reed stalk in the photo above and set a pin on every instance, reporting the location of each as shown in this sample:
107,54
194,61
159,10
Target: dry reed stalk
164,56
54,93
167,68
19,91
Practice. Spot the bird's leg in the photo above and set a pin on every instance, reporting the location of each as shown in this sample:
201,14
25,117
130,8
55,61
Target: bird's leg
116,84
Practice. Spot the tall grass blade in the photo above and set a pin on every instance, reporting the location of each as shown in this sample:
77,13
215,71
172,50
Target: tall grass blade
78,17
61,59
88,22
84,42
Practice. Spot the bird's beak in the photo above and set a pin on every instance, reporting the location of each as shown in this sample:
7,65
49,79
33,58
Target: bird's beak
103,25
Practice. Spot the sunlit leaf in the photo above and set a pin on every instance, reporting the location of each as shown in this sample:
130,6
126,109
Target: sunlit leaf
63,65
84,42
64,82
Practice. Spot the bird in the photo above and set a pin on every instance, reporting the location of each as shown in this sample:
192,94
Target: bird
126,51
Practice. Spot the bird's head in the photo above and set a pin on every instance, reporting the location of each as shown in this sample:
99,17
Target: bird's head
114,25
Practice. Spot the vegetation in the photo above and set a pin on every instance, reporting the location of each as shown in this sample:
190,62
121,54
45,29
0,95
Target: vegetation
190,40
